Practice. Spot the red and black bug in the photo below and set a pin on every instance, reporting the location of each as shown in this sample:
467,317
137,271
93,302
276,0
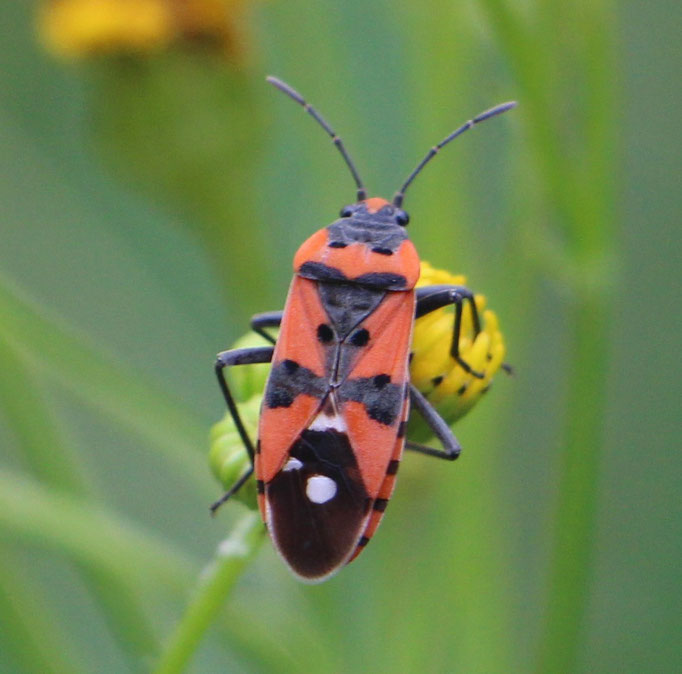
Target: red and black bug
333,418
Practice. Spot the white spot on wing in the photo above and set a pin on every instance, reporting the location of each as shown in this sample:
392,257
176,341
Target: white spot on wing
320,489
292,464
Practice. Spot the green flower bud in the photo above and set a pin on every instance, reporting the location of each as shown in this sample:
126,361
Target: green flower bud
227,456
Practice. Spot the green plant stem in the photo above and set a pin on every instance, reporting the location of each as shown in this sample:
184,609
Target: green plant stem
575,172
102,382
52,461
99,539
214,585
575,516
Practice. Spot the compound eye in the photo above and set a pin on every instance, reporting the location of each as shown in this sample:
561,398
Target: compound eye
346,212
402,218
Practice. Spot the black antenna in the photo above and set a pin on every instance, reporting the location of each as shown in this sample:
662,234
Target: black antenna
292,93
498,109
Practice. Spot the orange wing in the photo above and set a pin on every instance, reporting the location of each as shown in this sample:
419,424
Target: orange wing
386,355
279,426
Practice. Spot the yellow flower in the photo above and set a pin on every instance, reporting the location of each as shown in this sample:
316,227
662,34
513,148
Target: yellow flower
443,381
76,28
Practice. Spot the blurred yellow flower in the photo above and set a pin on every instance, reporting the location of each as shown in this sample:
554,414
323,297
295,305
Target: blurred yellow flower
78,28
444,382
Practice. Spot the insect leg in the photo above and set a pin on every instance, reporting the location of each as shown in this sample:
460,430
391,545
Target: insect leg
270,319
260,354
430,298
451,447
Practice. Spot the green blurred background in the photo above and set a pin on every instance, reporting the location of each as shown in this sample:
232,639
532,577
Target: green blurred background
151,203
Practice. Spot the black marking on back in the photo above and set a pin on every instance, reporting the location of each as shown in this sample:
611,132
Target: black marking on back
382,280
393,466
382,251
288,380
382,400
363,541
260,486
437,381
337,244
348,304
321,272
315,538
402,428
374,229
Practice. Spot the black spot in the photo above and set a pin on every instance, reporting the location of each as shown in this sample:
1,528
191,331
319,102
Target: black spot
380,504
257,451
382,251
290,366
360,337
402,428
337,244
363,541
260,486
462,390
381,380
437,381
324,333
488,356
393,466
410,357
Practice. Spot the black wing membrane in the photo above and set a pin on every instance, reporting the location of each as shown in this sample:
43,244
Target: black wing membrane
318,504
